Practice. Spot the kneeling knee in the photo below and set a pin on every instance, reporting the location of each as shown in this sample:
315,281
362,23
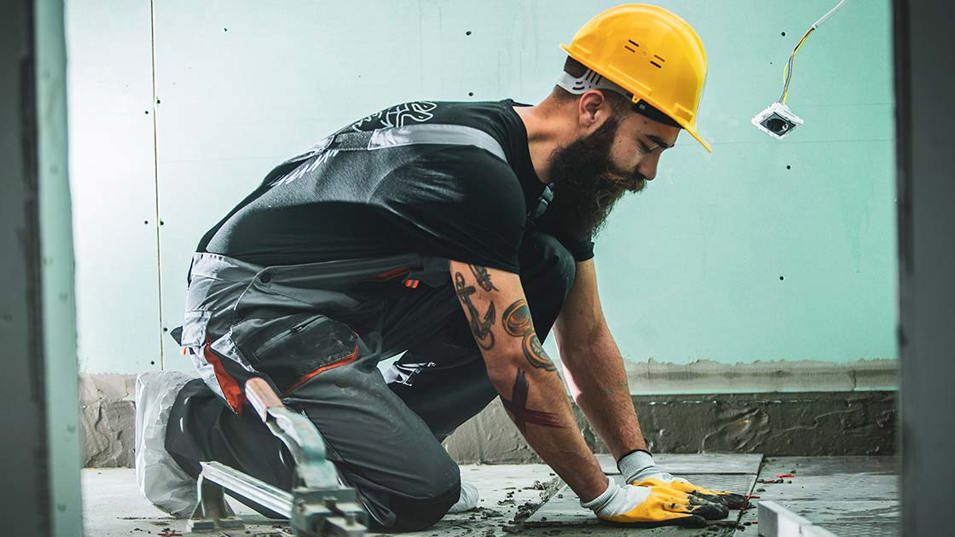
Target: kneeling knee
415,514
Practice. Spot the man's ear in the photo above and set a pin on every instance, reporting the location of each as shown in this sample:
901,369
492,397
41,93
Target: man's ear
593,109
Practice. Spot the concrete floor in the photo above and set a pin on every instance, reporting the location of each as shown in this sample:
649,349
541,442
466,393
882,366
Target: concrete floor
113,506
847,495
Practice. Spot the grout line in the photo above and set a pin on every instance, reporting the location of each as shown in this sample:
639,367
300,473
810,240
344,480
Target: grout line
752,490
152,32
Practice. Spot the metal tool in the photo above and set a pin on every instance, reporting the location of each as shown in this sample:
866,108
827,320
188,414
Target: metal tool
317,506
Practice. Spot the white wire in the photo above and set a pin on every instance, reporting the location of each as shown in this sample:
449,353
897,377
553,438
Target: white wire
830,13
789,65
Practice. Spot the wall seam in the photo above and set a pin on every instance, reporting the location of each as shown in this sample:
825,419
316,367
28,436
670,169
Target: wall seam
152,32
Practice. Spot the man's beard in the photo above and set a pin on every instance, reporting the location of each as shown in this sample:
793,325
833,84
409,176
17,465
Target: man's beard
587,184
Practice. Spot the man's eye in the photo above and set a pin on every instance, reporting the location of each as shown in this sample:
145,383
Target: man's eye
645,148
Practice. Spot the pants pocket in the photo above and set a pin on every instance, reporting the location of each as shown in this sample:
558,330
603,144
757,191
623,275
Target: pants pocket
193,336
293,348
217,372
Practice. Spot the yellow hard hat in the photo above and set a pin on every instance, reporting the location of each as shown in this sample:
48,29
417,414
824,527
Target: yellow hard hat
651,53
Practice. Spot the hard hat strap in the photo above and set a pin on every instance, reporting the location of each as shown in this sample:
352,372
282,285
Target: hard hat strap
588,81
577,85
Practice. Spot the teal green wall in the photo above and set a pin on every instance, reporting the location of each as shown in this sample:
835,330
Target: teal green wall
768,249
690,269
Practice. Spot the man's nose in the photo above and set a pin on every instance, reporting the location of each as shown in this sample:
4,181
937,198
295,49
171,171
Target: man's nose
648,167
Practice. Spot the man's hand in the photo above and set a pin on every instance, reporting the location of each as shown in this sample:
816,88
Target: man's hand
639,469
643,506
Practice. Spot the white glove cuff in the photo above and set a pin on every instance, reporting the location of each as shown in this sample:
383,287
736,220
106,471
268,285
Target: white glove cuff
600,501
632,464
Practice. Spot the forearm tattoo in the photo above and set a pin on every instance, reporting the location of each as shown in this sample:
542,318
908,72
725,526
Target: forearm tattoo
483,278
522,415
517,322
480,327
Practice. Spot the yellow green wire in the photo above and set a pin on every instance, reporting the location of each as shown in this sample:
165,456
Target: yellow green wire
788,69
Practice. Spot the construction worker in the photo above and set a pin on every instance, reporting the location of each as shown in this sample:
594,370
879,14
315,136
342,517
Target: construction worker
458,233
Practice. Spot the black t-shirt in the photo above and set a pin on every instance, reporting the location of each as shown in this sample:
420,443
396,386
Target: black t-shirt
455,201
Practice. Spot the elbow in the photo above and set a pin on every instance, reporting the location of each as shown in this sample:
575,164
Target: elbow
501,373
572,386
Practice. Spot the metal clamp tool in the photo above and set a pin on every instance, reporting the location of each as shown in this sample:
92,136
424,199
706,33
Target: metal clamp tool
317,506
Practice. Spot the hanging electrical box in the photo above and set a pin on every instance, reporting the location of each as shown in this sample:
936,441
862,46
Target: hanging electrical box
778,120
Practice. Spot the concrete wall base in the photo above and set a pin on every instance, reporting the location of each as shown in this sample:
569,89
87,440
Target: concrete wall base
802,423
107,412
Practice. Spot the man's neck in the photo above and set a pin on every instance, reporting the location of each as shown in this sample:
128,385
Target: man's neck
544,135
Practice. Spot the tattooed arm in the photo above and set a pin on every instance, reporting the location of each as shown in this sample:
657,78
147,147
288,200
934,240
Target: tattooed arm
523,374
593,365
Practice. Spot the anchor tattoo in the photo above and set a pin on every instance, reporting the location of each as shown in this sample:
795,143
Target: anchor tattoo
480,326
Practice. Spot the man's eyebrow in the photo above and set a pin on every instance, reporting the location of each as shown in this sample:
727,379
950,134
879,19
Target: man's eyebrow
659,141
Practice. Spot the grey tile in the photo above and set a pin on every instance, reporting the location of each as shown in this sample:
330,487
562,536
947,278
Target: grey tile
696,463
849,496
747,523
827,511
837,487
616,531
866,529
854,527
831,465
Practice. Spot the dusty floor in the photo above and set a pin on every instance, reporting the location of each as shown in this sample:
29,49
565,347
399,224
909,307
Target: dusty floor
847,495
113,506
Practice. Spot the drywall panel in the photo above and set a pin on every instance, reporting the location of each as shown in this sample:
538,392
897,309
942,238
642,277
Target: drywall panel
113,185
762,250
244,85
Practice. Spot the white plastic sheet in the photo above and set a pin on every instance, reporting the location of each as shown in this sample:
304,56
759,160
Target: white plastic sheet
160,479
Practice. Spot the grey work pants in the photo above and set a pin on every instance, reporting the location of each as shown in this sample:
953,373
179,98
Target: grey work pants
382,432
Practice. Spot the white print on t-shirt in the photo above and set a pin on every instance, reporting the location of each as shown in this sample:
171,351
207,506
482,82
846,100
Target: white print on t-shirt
404,373
399,116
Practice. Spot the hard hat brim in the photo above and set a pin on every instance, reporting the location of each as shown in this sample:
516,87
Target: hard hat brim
706,145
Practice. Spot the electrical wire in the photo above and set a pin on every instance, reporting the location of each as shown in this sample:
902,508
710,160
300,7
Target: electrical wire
788,69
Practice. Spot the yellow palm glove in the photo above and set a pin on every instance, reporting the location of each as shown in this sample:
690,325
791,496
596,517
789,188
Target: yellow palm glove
648,507
639,469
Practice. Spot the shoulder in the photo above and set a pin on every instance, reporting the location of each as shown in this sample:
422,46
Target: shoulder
468,177
461,202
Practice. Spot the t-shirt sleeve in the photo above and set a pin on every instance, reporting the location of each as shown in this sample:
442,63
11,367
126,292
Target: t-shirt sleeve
461,203
582,248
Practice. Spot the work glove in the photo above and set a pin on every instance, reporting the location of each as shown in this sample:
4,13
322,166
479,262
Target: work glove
639,469
648,507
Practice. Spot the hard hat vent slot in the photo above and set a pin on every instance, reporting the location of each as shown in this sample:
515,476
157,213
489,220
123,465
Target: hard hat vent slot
659,58
655,64
632,42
